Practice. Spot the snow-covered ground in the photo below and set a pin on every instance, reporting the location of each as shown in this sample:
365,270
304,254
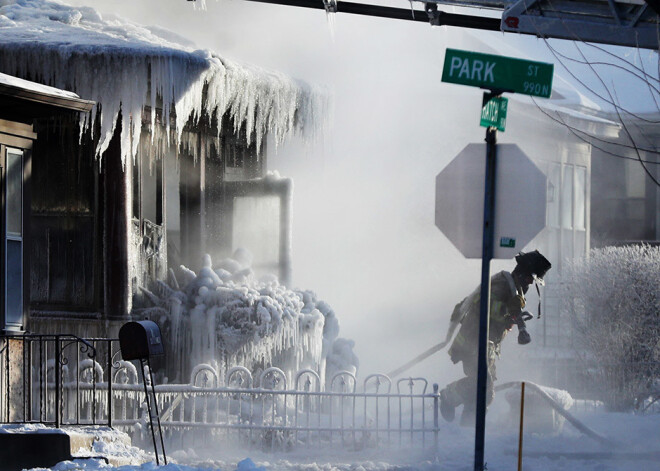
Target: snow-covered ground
633,445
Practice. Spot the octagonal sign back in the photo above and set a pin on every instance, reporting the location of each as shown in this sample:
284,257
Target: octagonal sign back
520,200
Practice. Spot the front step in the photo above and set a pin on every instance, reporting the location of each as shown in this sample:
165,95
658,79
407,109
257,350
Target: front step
35,445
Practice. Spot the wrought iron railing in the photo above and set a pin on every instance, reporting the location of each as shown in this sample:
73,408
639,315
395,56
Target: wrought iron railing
57,379
66,380
276,415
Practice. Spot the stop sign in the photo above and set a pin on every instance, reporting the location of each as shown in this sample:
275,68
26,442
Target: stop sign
520,200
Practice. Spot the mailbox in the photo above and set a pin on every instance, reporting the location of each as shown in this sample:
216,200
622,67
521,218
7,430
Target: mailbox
139,340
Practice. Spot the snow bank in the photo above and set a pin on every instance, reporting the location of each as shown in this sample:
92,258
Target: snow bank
560,396
125,67
225,317
28,428
540,416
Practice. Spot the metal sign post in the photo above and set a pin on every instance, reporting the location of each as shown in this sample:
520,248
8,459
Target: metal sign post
484,304
497,74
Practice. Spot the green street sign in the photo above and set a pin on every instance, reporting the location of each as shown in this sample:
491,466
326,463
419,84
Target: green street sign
499,73
509,242
493,112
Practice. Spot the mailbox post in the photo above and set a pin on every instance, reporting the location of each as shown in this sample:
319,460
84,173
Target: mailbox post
139,340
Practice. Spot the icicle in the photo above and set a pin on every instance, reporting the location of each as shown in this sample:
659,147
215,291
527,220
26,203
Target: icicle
412,8
330,15
126,67
151,296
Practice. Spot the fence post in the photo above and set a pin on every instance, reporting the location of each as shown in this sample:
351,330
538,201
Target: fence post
25,376
435,415
109,370
5,385
58,379
522,415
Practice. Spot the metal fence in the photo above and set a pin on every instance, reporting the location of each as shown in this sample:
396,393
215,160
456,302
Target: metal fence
57,379
278,415
65,380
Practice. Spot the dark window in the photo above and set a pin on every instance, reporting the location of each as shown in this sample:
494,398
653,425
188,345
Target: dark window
148,183
65,266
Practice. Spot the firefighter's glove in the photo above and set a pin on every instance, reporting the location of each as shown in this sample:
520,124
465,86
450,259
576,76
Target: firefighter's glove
523,336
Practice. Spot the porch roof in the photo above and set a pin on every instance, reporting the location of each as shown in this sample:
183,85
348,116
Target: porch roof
14,87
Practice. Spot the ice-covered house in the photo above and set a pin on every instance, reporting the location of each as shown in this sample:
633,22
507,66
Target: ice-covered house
168,166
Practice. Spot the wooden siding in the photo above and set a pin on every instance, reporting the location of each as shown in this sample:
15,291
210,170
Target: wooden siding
64,259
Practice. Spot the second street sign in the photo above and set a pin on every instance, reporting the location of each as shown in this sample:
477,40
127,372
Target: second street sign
493,112
506,74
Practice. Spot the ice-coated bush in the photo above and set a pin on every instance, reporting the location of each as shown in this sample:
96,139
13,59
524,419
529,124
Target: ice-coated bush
226,317
614,296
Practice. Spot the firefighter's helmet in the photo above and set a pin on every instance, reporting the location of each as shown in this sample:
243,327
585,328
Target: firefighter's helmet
534,264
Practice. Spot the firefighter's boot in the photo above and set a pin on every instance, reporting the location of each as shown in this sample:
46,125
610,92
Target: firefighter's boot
449,400
468,417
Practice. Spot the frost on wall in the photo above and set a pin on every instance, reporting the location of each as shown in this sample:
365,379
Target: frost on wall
124,66
225,317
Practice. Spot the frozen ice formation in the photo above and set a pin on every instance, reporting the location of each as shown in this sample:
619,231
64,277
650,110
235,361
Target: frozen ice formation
130,70
225,317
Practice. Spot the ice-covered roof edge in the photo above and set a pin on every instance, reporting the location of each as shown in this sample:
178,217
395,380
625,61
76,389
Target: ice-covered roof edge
189,84
12,86
115,62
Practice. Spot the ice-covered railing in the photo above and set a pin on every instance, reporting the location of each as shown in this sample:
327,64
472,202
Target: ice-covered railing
126,67
224,317
268,411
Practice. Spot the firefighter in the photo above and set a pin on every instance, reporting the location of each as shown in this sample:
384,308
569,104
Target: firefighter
507,301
